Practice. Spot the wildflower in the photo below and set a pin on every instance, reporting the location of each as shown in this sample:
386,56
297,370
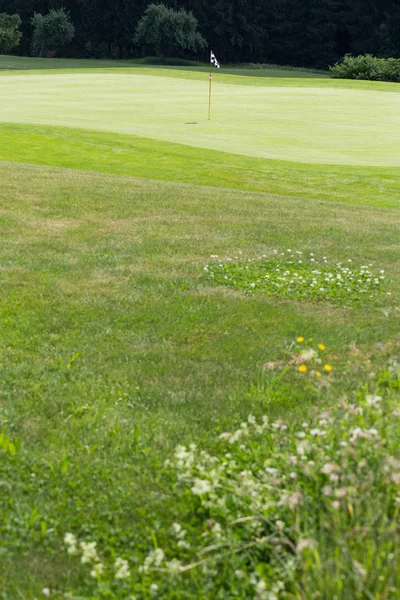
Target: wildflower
341,492
308,354
154,588
294,500
97,570
261,586
328,368
201,486
303,368
329,468
305,544
176,527
46,592
174,566
300,340
153,559
240,574
71,541
371,400
121,569
89,553
335,504
321,347
318,374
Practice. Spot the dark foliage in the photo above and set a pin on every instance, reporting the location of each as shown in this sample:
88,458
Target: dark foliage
311,33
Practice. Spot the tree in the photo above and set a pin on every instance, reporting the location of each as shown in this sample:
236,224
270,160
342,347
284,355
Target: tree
166,31
51,31
9,32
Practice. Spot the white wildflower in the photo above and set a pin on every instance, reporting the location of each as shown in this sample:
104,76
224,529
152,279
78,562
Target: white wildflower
121,569
307,355
201,486
305,544
89,553
71,541
371,400
97,570
329,468
154,588
174,566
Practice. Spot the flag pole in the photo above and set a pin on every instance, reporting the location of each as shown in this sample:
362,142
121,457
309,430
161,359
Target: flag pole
209,93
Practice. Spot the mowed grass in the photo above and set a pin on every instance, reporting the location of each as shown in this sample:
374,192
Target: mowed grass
167,161
115,346
26,62
307,123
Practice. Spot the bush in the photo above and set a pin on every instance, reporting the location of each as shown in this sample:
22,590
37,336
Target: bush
367,67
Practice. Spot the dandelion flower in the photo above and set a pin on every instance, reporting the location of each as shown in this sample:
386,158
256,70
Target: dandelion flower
303,368
318,374
321,347
300,340
328,368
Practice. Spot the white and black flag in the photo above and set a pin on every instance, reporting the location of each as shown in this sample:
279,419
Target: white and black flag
214,61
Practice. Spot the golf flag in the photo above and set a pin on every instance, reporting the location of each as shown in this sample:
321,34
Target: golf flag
213,61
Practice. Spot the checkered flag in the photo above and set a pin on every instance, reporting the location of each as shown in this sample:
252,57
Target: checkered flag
214,61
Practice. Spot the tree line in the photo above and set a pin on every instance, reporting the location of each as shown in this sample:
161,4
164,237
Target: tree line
307,33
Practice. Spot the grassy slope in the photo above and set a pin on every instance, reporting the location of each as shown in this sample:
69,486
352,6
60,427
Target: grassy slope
110,267
304,124
151,159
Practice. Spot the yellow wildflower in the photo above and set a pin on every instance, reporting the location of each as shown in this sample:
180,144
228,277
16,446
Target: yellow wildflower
300,339
318,374
328,368
321,346
303,368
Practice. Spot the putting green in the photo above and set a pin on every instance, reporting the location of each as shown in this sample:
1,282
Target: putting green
304,123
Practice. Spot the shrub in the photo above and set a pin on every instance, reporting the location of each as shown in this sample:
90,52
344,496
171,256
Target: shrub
367,67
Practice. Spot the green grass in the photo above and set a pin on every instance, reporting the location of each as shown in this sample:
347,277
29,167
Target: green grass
105,235
151,159
308,124
24,63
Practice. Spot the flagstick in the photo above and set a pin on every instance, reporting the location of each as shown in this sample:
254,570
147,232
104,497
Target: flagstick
209,93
